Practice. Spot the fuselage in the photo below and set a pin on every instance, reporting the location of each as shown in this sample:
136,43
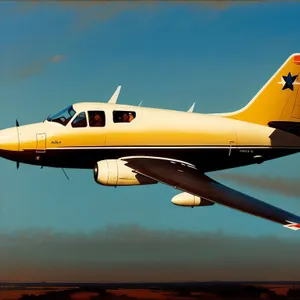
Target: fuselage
210,142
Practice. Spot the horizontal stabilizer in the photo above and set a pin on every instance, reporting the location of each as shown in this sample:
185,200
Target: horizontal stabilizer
287,126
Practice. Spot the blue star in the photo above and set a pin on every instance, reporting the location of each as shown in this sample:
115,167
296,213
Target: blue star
289,79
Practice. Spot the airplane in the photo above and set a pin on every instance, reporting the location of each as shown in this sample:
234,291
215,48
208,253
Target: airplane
127,145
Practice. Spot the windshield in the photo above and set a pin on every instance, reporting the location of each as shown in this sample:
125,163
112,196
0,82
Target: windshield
62,117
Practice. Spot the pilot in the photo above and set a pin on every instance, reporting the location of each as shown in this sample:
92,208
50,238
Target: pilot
97,121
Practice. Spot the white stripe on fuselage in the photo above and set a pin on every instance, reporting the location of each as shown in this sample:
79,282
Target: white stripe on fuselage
175,147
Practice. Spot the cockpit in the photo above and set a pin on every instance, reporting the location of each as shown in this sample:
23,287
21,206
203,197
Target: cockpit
91,118
63,117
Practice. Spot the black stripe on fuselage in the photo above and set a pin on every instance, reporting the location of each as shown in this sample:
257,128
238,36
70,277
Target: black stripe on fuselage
206,158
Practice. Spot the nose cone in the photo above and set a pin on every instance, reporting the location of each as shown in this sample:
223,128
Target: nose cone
9,139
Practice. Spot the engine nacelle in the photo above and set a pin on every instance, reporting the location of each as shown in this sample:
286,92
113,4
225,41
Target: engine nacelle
114,172
186,199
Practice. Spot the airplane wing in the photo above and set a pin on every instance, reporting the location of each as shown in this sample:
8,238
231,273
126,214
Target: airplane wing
186,177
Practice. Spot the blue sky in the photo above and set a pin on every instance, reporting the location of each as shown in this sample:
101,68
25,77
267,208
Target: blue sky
167,55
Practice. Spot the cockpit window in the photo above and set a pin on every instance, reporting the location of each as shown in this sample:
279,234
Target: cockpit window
80,120
63,117
123,116
96,118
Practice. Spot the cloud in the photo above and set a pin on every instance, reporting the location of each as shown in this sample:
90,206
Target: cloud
132,253
34,67
100,10
57,58
284,186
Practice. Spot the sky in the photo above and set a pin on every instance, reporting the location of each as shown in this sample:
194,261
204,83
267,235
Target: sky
168,55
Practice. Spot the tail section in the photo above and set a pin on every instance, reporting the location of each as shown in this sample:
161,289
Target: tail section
278,100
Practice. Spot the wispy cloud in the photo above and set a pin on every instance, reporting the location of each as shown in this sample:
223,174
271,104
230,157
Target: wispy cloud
33,67
132,253
284,186
99,10
57,58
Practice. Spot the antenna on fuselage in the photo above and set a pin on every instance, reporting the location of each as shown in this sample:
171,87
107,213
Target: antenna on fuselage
65,173
140,103
114,97
191,109
62,170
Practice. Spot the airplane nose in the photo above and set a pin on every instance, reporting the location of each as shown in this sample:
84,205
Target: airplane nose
9,139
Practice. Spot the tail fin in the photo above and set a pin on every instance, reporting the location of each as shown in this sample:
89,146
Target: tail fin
278,100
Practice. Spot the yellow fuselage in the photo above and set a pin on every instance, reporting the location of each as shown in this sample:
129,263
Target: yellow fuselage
211,142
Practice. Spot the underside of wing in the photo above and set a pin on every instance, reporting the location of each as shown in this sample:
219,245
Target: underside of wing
287,126
185,176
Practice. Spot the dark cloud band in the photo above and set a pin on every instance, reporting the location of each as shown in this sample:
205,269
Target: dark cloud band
132,253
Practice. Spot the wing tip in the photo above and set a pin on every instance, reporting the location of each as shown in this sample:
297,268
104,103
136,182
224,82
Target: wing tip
292,225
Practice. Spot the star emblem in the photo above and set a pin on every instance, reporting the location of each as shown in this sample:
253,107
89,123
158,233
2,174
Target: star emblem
288,81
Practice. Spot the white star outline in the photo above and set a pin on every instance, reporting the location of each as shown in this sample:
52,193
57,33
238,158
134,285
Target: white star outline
282,82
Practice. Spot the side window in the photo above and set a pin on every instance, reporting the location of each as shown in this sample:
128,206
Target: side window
80,120
96,118
123,116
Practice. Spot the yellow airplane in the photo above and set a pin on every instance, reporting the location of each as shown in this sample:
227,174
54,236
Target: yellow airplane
133,145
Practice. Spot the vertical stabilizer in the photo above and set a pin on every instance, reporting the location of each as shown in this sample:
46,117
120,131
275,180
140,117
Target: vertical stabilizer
278,99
